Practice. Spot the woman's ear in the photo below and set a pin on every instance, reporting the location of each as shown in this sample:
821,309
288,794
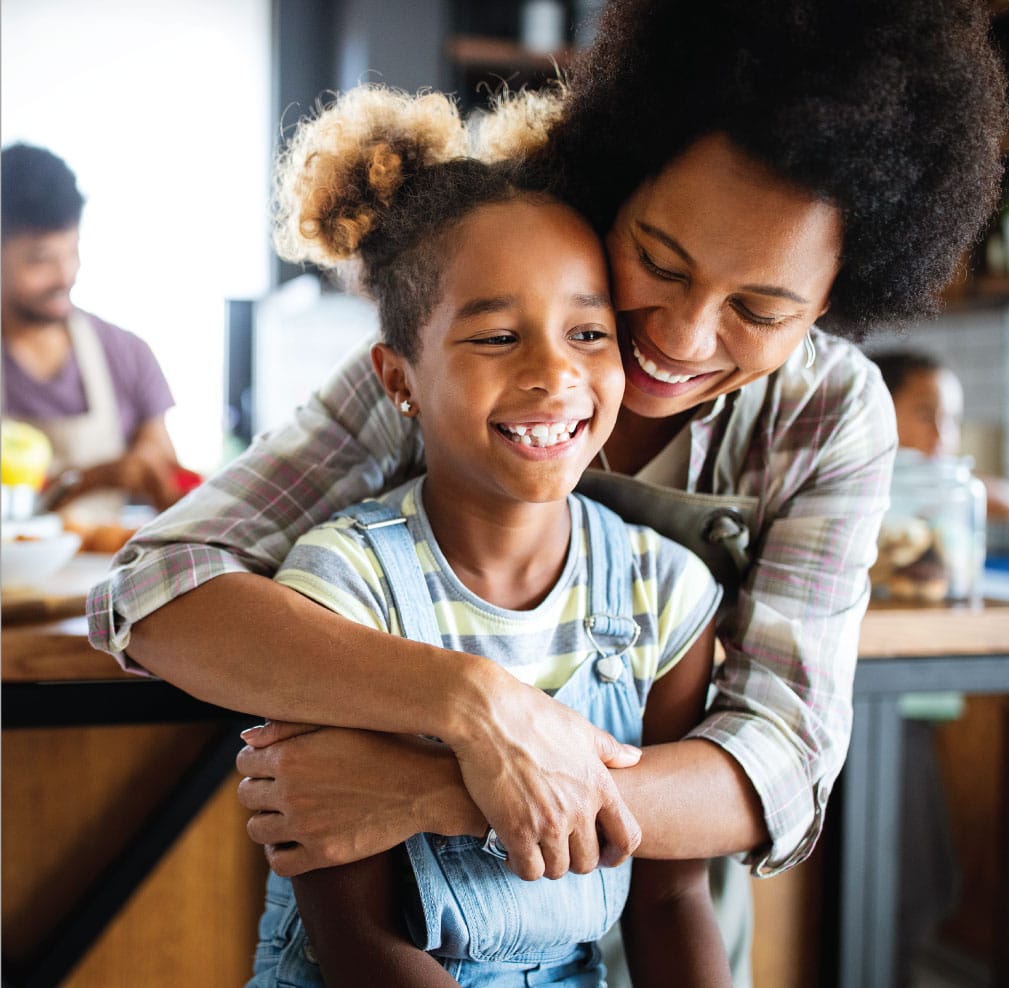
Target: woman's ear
391,369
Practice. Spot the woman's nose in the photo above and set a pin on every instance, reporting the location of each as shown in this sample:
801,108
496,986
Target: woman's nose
684,332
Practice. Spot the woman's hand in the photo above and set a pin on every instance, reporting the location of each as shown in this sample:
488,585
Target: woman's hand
329,796
539,771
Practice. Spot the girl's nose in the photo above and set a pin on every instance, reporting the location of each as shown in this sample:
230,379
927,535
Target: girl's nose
549,367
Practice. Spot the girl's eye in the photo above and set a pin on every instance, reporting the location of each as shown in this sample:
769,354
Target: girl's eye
495,339
589,334
654,268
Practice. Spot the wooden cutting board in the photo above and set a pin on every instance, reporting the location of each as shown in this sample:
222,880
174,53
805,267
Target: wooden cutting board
64,594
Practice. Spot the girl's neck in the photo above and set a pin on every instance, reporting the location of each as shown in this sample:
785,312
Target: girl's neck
509,555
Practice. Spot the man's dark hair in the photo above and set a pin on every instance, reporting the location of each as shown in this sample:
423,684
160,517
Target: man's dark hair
38,192
893,110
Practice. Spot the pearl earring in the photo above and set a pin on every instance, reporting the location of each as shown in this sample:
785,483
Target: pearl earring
405,407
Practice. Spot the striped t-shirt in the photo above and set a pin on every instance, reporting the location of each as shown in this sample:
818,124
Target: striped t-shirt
672,592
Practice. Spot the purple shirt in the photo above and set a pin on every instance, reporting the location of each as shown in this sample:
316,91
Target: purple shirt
142,392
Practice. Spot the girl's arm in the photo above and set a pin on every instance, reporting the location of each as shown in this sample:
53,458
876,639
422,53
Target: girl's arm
353,916
669,923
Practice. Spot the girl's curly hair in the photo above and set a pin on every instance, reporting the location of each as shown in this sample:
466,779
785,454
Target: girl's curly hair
374,182
894,110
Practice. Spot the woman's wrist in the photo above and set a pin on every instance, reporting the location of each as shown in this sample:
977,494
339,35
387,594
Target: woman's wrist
469,698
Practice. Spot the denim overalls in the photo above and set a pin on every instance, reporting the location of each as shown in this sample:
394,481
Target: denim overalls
485,925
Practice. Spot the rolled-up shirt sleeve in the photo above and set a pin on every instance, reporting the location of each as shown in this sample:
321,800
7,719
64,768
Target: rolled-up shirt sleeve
345,444
783,706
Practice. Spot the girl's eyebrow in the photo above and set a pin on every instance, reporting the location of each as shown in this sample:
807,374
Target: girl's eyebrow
677,248
592,300
500,303
481,306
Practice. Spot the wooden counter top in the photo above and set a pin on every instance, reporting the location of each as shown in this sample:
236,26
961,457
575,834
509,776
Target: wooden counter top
903,630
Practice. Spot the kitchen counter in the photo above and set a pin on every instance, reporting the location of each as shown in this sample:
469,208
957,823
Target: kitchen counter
125,856
903,649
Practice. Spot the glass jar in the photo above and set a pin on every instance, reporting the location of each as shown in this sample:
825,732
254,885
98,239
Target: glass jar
932,540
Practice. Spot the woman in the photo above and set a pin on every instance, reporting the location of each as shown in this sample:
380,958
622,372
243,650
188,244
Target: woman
758,167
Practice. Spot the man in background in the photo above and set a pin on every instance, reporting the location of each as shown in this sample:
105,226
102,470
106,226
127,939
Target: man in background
95,390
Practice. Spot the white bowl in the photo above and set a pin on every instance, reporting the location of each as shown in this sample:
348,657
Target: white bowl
29,563
45,526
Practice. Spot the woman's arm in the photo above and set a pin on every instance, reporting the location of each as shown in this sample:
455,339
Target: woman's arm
354,920
189,600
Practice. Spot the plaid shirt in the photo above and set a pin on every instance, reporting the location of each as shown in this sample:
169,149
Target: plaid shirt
814,445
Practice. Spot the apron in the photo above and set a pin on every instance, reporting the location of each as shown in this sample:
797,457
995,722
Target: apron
93,437
467,908
716,527
720,528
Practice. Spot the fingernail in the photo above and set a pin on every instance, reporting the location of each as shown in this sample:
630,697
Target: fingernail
251,730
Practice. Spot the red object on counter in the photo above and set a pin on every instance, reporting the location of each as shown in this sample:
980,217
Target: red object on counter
186,480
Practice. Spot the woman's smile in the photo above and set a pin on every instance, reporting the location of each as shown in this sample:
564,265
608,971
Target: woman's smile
651,371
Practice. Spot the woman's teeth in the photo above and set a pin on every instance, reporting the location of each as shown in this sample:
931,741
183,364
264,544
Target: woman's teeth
652,369
541,435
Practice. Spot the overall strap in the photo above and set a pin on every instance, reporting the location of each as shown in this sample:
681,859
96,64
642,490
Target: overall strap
390,540
610,577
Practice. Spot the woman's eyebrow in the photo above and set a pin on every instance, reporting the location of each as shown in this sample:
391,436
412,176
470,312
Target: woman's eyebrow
674,245
664,238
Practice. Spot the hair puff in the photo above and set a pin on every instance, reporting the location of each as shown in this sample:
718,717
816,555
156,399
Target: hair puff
518,123
344,166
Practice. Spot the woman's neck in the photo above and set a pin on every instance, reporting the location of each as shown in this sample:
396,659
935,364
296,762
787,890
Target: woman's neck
509,555
636,441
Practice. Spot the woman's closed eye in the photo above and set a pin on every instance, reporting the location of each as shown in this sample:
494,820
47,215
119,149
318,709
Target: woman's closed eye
748,315
660,272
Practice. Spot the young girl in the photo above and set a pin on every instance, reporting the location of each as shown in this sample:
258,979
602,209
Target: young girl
498,336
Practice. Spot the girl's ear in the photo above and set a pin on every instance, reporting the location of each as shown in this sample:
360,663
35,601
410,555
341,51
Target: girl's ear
391,370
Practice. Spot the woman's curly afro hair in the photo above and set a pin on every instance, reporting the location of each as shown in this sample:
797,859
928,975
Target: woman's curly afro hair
894,110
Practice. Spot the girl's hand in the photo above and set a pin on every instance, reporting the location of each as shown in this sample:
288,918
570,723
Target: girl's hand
329,796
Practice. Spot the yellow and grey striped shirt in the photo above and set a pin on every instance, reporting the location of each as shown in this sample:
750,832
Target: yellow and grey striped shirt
672,592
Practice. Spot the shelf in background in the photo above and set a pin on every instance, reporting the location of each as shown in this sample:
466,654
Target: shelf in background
478,51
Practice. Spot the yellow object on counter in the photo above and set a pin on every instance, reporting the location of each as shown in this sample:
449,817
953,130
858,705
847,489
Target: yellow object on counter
25,454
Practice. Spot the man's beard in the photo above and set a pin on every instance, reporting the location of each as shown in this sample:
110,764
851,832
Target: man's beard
34,313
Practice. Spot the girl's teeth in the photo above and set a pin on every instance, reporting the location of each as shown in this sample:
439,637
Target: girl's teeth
541,435
652,369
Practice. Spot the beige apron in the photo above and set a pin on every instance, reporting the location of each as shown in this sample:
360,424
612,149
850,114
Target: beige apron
94,436
719,528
